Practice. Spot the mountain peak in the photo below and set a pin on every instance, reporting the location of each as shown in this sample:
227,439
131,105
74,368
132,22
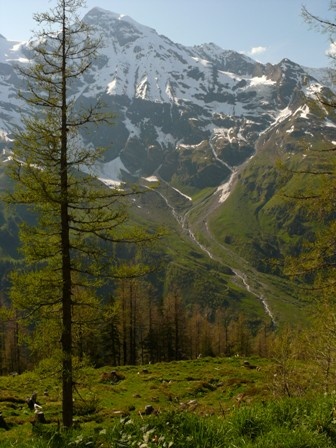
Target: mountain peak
97,13
104,18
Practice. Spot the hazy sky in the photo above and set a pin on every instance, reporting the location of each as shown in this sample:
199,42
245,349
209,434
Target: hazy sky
267,30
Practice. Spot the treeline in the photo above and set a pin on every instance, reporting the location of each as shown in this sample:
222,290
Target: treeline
133,327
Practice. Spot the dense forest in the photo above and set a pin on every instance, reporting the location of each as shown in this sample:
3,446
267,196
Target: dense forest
137,327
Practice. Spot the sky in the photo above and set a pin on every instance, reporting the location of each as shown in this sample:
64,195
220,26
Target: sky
266,30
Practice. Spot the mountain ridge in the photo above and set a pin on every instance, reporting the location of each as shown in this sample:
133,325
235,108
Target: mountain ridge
189,117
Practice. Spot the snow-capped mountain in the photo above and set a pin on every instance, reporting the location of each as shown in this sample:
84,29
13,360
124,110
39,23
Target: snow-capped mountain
189,114
194,117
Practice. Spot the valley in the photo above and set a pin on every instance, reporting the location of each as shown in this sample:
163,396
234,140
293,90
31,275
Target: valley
211,125
167,234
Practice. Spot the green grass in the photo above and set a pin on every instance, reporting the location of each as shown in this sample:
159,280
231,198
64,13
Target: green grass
210,402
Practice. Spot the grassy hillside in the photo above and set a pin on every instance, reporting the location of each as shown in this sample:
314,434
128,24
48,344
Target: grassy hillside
246,234
263,221
265,218
180,261
223,402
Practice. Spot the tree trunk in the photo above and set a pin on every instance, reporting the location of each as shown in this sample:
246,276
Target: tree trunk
65,241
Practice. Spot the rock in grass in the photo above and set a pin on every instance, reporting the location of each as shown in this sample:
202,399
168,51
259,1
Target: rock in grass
31,401
3,423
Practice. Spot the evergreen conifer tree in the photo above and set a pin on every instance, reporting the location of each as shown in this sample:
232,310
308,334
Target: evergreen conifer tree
78,219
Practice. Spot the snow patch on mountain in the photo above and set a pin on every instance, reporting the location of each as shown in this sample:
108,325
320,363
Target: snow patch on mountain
11,51
225,189
329,123
152,179
303,111
283,115
110,173
103,19
182,146
164,139
261,80
113,170
312,90
182,194
325,76
228,134
134,131
4,137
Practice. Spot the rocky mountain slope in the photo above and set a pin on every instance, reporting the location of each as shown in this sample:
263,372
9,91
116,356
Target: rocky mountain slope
195,118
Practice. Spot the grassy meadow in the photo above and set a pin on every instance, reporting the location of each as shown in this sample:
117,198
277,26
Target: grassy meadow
209,402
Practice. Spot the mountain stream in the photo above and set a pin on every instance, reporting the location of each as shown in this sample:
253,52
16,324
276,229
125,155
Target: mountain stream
220,196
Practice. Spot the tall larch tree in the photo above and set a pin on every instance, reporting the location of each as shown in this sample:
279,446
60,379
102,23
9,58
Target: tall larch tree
53,174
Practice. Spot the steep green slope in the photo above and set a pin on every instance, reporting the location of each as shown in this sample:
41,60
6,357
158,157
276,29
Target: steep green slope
187,265
274,208
180,262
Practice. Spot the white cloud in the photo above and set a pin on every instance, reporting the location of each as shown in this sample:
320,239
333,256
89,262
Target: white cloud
331,50
257,50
